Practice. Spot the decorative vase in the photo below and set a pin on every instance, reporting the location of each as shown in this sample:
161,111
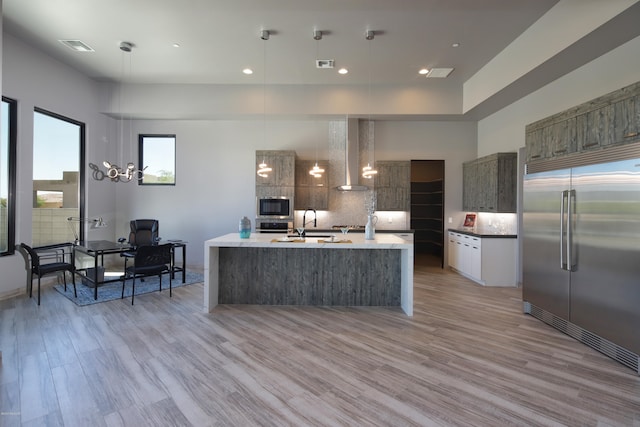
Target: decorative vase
245,228
370,227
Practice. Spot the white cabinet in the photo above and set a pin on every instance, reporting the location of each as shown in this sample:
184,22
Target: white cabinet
465,254
489,261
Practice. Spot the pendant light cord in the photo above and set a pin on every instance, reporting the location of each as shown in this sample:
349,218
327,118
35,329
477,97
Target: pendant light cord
264,98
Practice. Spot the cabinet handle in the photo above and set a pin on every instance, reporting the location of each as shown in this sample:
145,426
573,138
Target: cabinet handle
536,156
591,144
631,135
560,151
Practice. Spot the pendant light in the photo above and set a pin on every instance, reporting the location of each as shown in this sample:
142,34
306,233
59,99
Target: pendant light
316,171
114,172
368,171
263,168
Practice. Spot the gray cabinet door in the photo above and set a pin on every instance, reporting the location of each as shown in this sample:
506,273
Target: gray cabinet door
282,164
625,120
470,186
311,192
535,144
611,119
561,137
593,128
393,185
489,183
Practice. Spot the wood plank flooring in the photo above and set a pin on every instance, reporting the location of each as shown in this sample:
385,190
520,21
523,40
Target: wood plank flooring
468,357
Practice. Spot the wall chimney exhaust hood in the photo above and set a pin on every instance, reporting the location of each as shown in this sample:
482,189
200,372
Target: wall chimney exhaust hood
351,159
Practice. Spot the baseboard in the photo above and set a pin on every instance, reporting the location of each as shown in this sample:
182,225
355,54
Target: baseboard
12,294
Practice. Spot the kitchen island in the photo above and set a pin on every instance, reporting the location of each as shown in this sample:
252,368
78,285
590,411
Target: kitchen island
264,269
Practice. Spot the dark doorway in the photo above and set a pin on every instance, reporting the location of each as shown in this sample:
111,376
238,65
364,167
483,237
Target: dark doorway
427,210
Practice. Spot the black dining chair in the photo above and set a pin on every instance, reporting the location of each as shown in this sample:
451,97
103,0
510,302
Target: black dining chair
35,266
150,260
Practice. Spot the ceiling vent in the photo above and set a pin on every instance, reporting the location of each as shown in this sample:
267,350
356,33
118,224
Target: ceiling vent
324,63
439,73
77,45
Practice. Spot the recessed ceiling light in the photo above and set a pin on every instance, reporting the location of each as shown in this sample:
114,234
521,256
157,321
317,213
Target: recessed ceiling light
455,45
176,45
343,71
77,45
423,71
247,71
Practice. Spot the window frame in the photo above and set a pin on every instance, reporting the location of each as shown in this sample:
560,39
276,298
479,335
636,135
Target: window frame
141,165
81,160
11,174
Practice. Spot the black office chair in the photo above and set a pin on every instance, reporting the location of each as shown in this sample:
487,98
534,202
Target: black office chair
34,265
151,260
143,232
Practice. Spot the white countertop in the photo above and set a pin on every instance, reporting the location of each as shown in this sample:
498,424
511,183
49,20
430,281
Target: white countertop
381,241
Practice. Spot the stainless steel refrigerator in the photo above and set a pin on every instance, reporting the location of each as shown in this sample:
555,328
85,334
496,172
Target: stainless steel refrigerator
581,253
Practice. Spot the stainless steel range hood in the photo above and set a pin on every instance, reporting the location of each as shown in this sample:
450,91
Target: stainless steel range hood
352,159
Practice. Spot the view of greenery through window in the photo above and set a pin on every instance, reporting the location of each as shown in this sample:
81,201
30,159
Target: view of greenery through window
158,154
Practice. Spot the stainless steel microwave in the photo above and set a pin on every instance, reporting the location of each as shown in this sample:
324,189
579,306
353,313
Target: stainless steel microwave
274,207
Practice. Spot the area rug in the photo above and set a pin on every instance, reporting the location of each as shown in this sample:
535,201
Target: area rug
113,290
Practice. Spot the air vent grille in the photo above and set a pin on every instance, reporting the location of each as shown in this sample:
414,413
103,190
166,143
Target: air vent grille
594,341
325,63
77,45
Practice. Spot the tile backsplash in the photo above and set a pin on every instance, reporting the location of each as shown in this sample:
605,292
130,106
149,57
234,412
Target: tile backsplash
496,223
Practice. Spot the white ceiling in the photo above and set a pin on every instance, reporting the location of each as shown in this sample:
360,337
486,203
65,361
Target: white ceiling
218,38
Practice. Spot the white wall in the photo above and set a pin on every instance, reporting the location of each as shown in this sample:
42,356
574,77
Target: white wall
453,142
215,174
36,80
504,130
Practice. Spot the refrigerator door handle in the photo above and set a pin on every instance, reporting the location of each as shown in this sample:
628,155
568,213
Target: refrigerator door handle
570,213
564,196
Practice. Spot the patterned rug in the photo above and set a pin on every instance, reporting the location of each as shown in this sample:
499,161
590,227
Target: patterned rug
113,290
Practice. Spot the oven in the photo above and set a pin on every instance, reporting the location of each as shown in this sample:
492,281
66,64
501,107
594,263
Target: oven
265,226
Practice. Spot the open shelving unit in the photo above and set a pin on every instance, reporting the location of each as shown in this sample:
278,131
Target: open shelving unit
427,206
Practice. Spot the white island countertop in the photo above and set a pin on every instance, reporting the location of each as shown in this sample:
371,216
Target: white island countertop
357,241
381,241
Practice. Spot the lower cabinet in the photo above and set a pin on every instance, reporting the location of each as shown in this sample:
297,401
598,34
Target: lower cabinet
489,261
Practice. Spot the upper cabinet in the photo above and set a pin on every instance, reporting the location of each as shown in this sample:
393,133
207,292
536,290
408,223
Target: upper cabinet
311,192
281,180
393,185
612,119
283,168
489,183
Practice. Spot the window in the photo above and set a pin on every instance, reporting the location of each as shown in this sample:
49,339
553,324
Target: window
8,142
58,178
157,153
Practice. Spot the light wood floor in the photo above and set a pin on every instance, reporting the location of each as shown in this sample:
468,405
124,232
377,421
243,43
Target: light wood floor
468,357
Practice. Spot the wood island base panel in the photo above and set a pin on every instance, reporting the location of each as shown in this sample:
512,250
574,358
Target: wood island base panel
258,271
288,276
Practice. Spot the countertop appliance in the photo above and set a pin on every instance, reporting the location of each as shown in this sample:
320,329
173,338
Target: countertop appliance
581,250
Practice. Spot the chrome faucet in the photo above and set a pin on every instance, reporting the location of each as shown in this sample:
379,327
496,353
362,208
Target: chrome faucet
315,218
